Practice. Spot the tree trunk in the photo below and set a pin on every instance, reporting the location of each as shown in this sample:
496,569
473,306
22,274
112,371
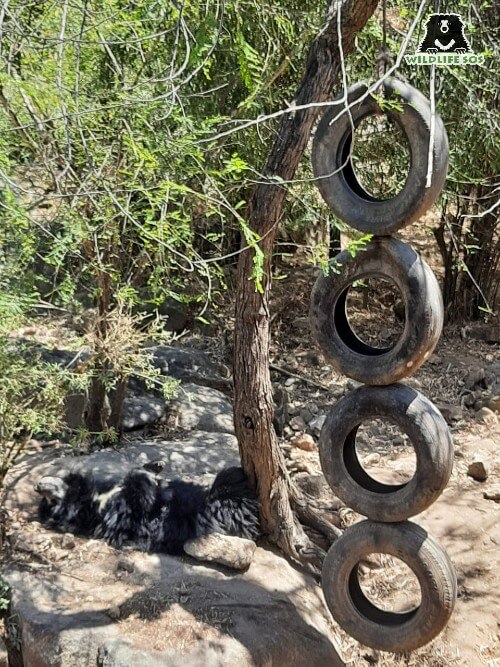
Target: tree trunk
282,507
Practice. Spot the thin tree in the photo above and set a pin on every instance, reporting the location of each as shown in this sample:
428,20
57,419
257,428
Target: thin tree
284,510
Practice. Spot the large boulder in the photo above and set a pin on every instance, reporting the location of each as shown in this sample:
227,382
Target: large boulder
167,611
203,409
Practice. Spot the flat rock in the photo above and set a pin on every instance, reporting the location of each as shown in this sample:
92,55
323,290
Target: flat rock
203,409
478,470
171,612
141,410
234,552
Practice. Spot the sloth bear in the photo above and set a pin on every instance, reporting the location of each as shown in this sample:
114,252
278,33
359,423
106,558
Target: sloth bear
444,34
146,512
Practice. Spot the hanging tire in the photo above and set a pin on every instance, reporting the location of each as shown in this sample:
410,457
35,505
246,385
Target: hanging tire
337,179
389,258
357,615
428,433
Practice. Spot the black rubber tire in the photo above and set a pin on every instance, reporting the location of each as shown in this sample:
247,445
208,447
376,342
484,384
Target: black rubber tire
339,186
428,433
389,258
374,627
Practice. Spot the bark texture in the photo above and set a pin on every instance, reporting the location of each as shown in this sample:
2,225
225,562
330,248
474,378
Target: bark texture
281,504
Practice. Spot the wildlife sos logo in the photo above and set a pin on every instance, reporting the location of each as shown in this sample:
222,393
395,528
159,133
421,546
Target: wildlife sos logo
444,43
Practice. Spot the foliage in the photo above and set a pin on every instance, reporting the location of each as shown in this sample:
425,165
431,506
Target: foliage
31,391
124,168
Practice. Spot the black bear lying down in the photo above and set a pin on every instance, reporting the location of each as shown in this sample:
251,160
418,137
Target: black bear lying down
146,512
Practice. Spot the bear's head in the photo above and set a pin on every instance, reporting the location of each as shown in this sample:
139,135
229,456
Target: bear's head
444,33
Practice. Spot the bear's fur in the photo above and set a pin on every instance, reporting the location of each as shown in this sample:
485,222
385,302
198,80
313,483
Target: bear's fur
146,512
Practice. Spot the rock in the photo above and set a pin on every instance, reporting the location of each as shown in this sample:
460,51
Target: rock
290,382
68,541
492,373
474,377
181,613
306,415
313,408
336,390
487,416
435,359
451,413
492,494
478,470
353,384
494,404
202,409
194,366
4,656
490,333
297,424
234,552
317,424
304,441
141,410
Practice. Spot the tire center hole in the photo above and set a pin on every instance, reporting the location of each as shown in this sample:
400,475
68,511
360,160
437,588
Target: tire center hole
376,312
385,452
388,583
380,157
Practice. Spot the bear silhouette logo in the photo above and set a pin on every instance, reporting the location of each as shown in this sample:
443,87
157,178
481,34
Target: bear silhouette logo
444,33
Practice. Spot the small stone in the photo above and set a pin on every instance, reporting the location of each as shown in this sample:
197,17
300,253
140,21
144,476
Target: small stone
494,404
68,541
353,384
290,382
492,494
474,377
434,359
234,552
317,424
306,415
297,424
451,413
336,390
125,564
487,416
304,441
398,441
313,408
114,613
478,470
